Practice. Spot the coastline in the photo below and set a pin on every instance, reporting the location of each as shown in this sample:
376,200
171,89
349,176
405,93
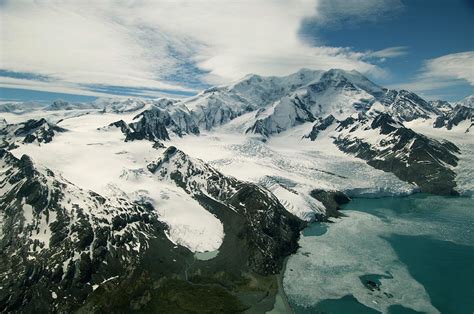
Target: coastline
410,245
281,304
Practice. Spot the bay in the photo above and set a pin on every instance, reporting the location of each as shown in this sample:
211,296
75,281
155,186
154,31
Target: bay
392,255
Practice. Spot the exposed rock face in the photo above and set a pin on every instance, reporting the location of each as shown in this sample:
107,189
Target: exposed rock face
65,249
331,200
219,105
38,131
346,99
58,240
441,105
155,124
336,92
122,125
467,101
389,146
283,115
320,125
271,231
340,94
150,126
407,106
455,117
386,144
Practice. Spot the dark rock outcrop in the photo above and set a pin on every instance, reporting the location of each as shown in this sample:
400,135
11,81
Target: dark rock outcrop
39,131
58,240
453,118
271,232
155,124
332,200
320,125
412,157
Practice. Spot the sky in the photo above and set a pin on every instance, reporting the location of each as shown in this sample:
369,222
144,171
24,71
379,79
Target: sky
79,50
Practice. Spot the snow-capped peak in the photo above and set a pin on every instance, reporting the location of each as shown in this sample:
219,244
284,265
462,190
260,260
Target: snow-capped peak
467,101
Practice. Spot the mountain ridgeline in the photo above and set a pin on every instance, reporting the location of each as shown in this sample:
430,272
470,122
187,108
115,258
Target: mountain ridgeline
60,242
266,106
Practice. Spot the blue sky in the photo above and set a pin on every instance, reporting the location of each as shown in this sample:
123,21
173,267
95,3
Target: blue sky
78,51
425,29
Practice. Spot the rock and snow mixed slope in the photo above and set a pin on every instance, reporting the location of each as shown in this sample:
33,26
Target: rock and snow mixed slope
58,240
118,204
390,146
118,184
31,131
266,107
460,115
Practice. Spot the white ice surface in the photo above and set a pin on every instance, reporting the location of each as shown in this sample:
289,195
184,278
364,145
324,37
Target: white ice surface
344,253
101,161
328,266
299,163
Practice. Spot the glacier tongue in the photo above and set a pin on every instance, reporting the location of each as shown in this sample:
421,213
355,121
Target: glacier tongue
109,170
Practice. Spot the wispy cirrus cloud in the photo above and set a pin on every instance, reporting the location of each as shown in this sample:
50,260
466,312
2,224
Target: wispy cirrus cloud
442,72
391,52
453,66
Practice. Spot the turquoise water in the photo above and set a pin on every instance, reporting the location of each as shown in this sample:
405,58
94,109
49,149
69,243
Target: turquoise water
393,255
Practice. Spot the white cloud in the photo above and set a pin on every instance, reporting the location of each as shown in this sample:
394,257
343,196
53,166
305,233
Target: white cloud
73,89
442,72
391,52
8,82
74,45
142,43
452,66
425,85
439,74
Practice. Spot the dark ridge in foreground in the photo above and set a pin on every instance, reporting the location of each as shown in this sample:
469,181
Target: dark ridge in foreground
66,249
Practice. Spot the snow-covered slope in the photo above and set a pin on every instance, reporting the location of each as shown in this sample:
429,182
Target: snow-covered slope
464,141
217,106
336,92
442,105
65,105
406,106
341,94
120,105
467,101
152,199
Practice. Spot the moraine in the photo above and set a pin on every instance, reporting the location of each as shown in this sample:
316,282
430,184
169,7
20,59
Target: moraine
422,261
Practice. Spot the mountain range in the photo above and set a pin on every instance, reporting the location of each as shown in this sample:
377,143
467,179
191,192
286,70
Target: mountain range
186,204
